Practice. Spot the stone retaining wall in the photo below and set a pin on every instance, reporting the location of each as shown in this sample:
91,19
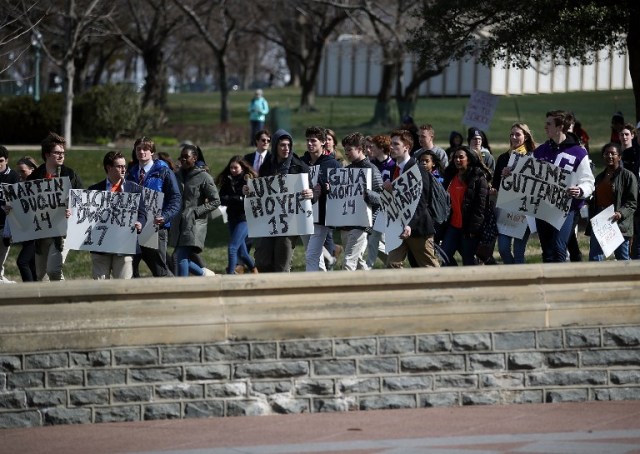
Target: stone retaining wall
319,375
89,352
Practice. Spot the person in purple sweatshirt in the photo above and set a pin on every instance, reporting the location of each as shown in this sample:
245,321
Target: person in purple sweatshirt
563,150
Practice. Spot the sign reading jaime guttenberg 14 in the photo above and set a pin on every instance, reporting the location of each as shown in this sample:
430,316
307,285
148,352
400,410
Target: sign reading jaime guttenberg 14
275,207
536,188
37,208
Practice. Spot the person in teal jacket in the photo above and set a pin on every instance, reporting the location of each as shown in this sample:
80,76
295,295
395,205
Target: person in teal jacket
258,110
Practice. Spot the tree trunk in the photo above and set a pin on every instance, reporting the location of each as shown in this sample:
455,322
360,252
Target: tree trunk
224,90
155,88
67,114
382,109
633,49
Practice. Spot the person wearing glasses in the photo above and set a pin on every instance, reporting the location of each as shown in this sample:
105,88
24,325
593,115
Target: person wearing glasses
50,252
155,174
262,154
118,266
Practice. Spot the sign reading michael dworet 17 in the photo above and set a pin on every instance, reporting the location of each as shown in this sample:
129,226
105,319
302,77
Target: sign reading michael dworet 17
153,205
275,207
536,188
37,208
345,200
400,205
103,221
480,110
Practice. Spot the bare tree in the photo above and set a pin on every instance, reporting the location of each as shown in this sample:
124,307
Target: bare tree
148,27
65,32
302,28
217,24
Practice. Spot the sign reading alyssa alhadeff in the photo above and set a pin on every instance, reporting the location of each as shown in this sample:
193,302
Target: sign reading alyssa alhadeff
345,200
275,206
400,205
37,208
103,221
536,188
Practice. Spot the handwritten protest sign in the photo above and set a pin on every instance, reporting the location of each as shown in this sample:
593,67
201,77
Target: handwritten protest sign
536,188
275,206
345,200
103,221
606,231
511,224
314,172
400,205
153,205
480,110
38,208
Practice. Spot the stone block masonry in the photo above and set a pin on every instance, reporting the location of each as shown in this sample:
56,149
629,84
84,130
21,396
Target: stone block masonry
238,378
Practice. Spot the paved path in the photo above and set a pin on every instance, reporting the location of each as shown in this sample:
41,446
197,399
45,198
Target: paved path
593,427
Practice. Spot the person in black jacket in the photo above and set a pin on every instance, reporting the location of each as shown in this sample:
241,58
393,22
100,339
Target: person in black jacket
50,252
466,179
7,176
274,254
230,182
418,235
118,266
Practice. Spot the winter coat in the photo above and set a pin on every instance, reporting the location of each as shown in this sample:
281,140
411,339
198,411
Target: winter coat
231,196
625,199
199,198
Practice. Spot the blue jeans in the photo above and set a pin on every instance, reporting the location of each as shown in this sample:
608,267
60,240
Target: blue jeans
596,254
454,240
554,242
519,248
184,265
237,248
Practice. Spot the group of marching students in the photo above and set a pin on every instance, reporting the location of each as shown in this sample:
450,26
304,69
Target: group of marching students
455,219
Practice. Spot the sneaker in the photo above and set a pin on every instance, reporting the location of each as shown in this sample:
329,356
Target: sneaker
4,280
208,272
254,270
338,250
240,269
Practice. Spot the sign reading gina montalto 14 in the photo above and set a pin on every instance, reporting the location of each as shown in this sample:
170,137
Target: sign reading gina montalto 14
103,221
275,206
536,188
345,200
37,208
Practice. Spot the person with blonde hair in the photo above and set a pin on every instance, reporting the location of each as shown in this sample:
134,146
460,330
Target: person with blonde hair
521,143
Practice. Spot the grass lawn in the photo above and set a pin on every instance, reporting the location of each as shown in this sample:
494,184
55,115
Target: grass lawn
195,116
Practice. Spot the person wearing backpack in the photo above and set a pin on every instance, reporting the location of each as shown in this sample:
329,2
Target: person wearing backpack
418,235
440,202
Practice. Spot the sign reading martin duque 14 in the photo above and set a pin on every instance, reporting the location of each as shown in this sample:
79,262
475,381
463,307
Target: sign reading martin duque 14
38,208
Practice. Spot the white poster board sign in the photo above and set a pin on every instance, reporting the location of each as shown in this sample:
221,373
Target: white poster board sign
480,110
400,204
153,205
536,188
275,207
511,224
314,172
37,208
345,200
607,232
103,221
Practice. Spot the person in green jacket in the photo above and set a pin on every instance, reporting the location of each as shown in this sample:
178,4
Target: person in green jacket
189,227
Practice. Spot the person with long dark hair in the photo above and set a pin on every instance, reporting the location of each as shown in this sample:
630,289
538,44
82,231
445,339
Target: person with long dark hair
229,183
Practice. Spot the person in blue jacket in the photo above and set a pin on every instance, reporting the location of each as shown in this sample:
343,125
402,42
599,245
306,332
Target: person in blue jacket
155,174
